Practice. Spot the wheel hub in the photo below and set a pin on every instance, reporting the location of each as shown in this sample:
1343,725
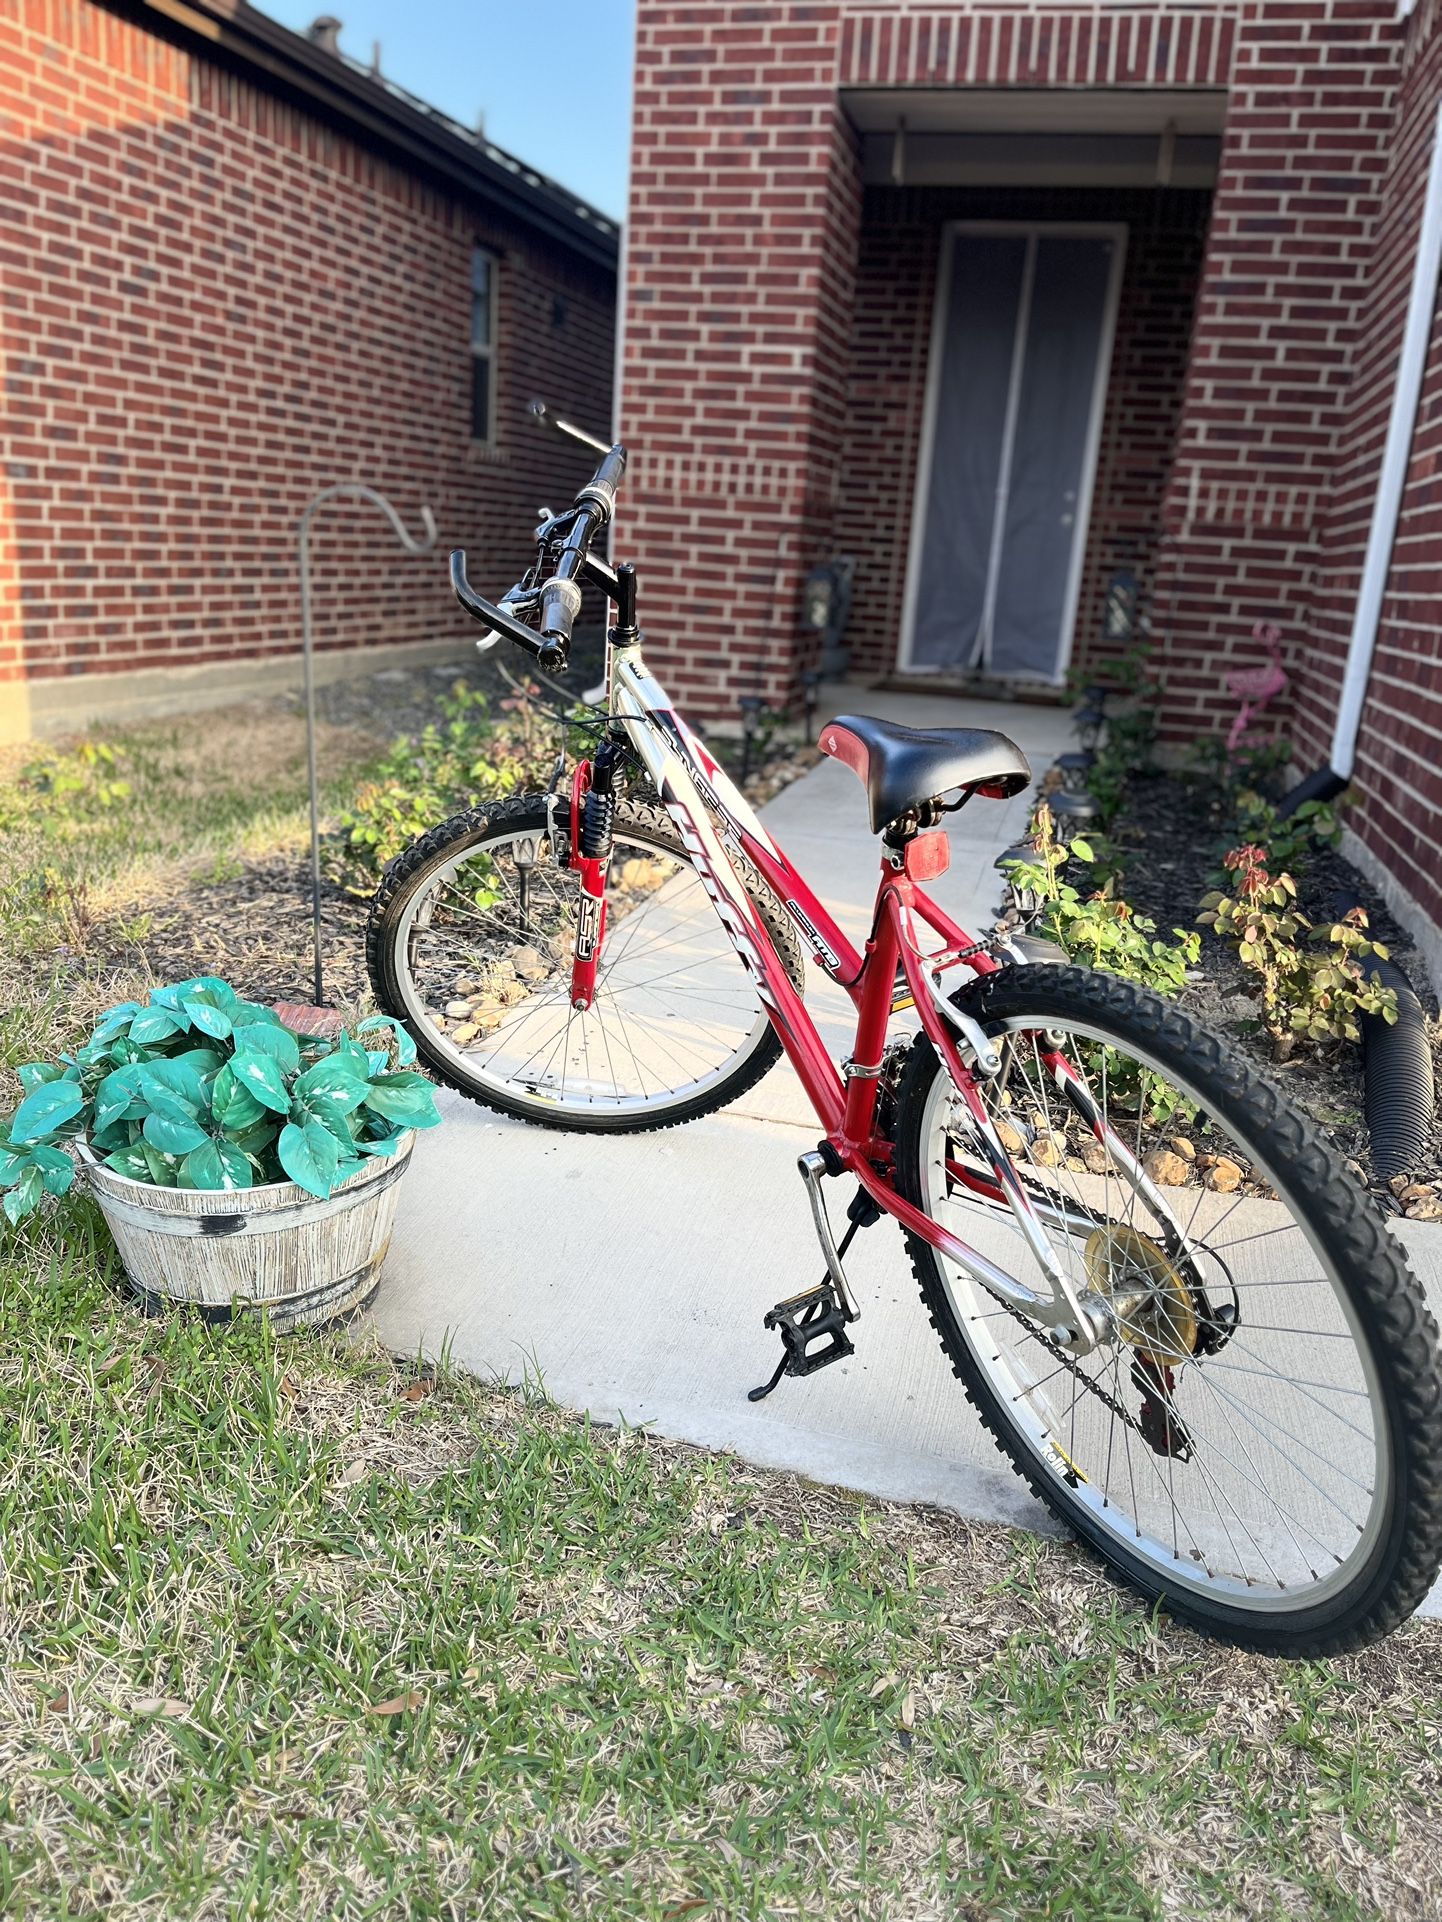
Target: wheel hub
1153,1305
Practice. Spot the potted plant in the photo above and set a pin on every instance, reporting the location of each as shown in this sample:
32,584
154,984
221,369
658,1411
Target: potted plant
236,1163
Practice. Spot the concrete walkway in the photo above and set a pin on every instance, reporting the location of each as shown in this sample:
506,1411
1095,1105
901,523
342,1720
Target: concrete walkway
630,1274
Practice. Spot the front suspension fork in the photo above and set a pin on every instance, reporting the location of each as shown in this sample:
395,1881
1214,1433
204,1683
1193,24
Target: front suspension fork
593,819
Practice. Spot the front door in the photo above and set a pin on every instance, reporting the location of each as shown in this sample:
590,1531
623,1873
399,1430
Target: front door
1019,356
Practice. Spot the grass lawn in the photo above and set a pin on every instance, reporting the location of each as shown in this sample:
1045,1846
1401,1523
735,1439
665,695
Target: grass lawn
295,1630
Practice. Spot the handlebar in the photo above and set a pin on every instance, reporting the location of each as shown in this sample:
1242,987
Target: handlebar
558,599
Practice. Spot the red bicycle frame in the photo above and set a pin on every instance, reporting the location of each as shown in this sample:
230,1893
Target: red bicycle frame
694,789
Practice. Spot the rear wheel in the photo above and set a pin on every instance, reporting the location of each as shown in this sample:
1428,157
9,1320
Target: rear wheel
470,943
1258,1440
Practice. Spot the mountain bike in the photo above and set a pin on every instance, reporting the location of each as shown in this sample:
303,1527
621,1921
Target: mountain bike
1168,1299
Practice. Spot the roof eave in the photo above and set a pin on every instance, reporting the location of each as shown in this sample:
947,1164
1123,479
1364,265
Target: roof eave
339,93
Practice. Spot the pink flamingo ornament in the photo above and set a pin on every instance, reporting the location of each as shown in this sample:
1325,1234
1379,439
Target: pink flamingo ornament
1255,686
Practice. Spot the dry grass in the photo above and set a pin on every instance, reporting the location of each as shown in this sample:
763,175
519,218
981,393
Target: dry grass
294,1631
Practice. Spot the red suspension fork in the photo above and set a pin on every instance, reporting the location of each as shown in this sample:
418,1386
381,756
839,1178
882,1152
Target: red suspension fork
586,804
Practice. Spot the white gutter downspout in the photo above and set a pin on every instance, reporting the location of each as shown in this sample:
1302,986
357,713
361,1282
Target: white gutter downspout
1396,457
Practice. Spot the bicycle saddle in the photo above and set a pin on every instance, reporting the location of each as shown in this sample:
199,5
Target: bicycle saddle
901,767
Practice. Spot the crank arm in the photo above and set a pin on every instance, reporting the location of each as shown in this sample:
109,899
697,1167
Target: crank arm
812,1169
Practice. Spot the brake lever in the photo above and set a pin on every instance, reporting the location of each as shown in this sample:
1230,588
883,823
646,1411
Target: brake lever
499,619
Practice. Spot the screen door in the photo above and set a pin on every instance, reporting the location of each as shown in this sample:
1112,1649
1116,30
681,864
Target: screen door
1020,350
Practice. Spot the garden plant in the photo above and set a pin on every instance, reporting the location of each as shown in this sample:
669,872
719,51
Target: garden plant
200,1088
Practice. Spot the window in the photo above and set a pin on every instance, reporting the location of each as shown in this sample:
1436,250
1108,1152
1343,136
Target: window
483,345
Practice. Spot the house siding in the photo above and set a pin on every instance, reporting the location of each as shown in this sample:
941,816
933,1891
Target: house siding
215,305
742,263
1289,261
1398,773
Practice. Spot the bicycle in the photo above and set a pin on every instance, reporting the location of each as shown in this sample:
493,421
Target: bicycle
1167,1298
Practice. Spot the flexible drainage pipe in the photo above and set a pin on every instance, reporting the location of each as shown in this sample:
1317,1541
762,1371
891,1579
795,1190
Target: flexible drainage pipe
1391,483
1397,1083
1398,1094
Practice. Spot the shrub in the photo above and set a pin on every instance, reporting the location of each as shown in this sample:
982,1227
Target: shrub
455,763
1288,844
1103,931
199,1088
85,775
1312,987
1099,928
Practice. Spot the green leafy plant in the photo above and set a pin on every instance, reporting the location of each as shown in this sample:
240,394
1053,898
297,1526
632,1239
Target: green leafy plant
87,774
1101,930
1127,740
1312,986
1098,927
457,760
199,1088
1288,843
1259,765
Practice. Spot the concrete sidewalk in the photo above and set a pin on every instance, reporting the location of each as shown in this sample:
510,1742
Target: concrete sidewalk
631,1273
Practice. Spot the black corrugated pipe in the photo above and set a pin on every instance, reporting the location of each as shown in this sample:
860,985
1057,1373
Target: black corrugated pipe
1322,784
1397,1084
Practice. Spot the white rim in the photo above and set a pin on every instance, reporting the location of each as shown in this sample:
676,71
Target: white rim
569,1053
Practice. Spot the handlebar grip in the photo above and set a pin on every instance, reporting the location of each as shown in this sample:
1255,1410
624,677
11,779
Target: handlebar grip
600,490
560,604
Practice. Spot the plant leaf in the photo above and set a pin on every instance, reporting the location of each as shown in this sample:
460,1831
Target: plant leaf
45,1109
232,1104
131,1162
341,1079
116,1099
262,1075
33,1074
207,1015
269,1038
310,1156
217,1164
24,1198
56,1168
404,1097
156,1024
405,1047
172,1136
115,1021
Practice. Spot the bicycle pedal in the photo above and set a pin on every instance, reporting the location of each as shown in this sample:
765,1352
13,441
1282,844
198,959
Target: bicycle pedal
812,1327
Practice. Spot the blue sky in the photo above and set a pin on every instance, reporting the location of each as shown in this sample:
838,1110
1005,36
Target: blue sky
552,77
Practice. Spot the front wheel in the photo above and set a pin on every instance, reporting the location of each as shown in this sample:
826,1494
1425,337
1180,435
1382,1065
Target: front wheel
1258,1439
470,943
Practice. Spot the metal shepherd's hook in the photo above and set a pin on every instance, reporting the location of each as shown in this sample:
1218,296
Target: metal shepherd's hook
353,490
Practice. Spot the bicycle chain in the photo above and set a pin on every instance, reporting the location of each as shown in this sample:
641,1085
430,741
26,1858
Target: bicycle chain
1103,1395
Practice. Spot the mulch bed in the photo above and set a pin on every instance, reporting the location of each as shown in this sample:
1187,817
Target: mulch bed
1173,833
255,930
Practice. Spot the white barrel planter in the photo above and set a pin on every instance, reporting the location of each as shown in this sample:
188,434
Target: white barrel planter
278,1248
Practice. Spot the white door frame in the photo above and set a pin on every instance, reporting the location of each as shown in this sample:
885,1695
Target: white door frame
1116,232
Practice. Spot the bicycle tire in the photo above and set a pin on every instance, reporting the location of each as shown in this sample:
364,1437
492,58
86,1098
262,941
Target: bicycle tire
1308,1174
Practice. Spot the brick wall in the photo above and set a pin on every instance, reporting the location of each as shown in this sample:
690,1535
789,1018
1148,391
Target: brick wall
739,255
212,307
891,331
1398,773
1304,158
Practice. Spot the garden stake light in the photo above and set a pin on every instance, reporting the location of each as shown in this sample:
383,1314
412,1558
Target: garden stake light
353,490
